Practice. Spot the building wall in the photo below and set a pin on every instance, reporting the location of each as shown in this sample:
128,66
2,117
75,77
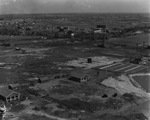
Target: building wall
75,79
13,96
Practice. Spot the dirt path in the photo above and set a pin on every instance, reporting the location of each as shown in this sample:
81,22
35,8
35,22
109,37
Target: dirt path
43,114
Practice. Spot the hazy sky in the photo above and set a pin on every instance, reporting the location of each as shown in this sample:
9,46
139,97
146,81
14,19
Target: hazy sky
61,6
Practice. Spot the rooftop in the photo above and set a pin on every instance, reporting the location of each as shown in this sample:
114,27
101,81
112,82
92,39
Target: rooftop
77,74
44,78
4,91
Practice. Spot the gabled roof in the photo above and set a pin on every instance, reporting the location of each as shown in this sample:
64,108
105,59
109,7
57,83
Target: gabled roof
32,79
44,78
77,74
14,85
5,92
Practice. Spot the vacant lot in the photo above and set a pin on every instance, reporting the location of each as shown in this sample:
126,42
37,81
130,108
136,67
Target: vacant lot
132,40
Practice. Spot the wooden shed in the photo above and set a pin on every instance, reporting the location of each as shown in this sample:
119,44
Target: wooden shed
8,95
79,77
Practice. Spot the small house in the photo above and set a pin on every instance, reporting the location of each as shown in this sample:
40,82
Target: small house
79,77
43,79
33,80
8,95
138,32
100,29
13,86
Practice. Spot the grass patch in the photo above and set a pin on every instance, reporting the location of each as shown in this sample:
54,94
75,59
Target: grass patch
17,108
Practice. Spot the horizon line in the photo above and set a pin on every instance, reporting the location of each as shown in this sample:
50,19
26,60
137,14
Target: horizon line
76,13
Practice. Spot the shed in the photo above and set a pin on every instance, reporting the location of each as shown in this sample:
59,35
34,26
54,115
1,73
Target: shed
79,77
8,95
13,86
32,80
43,79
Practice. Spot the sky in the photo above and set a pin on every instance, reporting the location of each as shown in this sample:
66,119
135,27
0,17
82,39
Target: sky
76,6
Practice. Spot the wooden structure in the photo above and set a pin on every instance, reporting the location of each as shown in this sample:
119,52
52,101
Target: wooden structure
8,95
79,77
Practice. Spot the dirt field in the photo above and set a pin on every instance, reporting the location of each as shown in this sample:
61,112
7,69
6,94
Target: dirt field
132,40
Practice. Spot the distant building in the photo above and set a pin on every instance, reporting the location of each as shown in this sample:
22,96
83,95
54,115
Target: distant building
43,79
36,80
79,77
8,95
13,86
138,32
33,80
100,29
